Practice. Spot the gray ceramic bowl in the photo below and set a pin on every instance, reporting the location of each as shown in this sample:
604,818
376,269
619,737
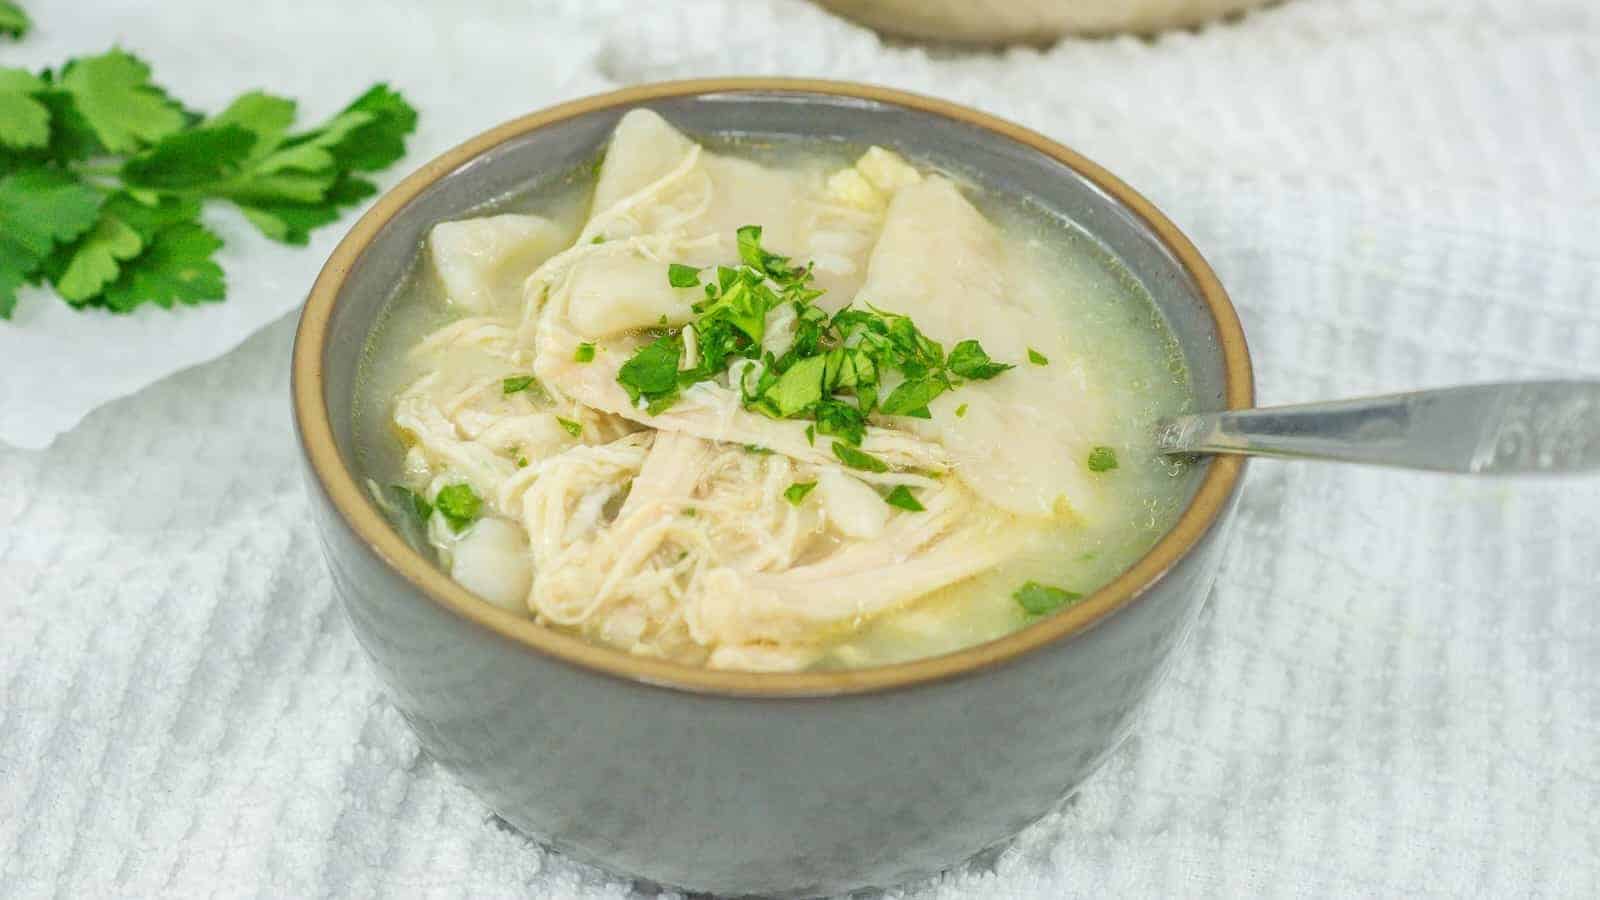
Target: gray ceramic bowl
730,782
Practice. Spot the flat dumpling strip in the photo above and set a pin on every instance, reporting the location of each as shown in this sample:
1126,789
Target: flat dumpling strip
1023,441
655,180
483,261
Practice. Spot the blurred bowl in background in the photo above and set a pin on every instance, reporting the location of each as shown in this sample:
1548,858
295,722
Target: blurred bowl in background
1029,21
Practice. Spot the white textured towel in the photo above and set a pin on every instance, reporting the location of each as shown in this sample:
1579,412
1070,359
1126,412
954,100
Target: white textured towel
1395,689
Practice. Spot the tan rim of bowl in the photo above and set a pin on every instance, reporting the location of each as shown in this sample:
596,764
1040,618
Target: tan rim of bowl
342,488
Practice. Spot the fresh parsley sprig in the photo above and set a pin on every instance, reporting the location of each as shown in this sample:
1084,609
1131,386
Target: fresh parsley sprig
833,370
14,23
103,175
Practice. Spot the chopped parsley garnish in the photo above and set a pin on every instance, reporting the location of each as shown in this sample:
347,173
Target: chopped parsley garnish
901,498
679,275
968,360
1037,358
459,504
652,373
757,449
1102,459
797,492
1038,599
516,383
961,411
103,175
857,459
573,428
835,370
522,462
584,353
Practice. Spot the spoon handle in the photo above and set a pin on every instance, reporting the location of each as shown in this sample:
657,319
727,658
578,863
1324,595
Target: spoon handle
1484,429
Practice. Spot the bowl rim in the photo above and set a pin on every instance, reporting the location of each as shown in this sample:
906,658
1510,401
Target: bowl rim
342,489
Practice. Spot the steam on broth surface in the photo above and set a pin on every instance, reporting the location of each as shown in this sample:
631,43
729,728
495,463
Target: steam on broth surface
881,425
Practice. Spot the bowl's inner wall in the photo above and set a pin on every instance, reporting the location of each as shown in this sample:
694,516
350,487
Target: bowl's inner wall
992,160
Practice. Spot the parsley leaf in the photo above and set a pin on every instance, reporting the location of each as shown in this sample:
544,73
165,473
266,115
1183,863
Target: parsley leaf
858,459
584,353
192,159
901,498
24,121
682,276
757,449
912,397
795,493
652,372
175,268
516,384
39,208
1038,599
459,504
114,94
573,428
96,260
969,360
798,389
13,21
1037,358
961,411
1102,459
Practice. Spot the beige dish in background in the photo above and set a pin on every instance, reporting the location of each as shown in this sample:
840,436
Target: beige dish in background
1029,21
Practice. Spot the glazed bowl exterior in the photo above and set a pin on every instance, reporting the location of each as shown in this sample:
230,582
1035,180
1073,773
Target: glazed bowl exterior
737,783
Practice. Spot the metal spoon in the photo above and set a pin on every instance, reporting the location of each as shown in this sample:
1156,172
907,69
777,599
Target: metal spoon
1485,429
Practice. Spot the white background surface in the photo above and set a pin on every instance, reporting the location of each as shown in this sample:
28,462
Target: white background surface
1395,689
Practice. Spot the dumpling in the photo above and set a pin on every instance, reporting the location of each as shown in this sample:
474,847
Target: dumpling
483,262
1023,440
655,180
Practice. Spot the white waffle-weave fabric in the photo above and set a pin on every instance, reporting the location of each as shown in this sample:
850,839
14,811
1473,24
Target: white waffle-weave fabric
1395,690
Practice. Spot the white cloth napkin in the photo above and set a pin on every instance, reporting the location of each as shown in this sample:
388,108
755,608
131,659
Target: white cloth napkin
1395,690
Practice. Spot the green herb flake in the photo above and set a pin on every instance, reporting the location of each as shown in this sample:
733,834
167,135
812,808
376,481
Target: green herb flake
652,372
911,397
690,511
522,462
795,493
598,239
961,411
1037,358
800,388
584,353
811,435
573,428
901,498
516,384
682,276
858,459
757,449
459,504
1102,459
969,360
1039,599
